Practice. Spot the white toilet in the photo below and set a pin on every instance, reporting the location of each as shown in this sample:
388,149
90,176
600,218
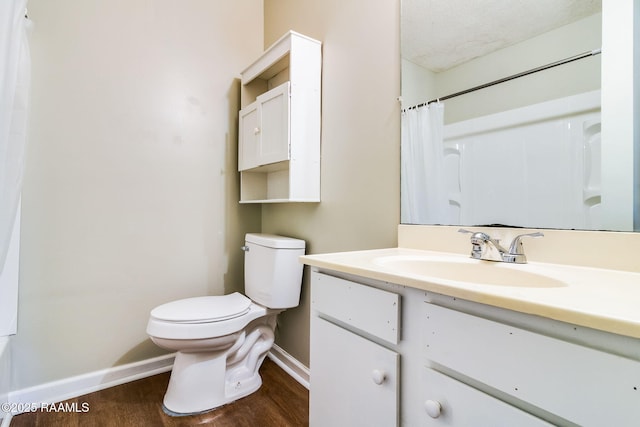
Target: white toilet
221,341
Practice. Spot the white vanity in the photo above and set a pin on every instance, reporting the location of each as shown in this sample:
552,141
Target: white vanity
417,337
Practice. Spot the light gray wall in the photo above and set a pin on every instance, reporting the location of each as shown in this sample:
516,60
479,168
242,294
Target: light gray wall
131,188
418,84
360,137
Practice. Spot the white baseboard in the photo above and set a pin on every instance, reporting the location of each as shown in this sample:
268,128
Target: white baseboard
290,365
68,388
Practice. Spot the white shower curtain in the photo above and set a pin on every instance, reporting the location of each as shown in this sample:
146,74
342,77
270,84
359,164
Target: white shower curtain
423,194
14,85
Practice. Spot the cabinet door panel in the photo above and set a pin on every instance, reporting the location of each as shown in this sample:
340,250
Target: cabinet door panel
249,137
580,384
274,105
462,405
345,372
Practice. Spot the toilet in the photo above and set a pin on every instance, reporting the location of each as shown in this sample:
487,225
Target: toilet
221,341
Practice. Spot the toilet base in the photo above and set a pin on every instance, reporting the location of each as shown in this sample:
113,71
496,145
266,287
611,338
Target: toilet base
248,388
204,380
246,391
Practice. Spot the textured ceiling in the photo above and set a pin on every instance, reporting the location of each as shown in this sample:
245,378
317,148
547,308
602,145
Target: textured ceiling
440,34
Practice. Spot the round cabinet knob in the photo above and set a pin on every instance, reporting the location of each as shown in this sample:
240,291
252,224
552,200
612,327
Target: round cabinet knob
256,131
378,376
433,407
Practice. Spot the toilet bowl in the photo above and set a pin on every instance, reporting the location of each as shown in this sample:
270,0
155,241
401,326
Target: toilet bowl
217,359
221,341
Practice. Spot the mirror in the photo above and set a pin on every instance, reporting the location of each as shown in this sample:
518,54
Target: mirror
526,152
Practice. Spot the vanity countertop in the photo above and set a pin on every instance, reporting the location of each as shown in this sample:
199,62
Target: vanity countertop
607,300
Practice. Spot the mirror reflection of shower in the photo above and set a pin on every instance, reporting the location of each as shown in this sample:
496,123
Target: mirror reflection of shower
535,166
518,172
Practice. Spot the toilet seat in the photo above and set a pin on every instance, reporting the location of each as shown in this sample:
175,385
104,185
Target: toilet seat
196,318
203,309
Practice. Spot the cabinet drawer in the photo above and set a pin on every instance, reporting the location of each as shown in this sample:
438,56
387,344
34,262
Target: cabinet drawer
580,384
368,309
462,405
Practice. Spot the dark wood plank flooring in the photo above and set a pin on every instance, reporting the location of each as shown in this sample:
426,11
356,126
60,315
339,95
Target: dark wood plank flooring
280,402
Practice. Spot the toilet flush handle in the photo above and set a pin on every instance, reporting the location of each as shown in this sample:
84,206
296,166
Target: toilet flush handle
245,248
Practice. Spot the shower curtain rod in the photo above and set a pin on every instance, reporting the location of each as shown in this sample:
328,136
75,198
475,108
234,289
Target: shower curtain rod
514,76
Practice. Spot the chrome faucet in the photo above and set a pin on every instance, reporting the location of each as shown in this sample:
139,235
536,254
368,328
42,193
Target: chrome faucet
487,248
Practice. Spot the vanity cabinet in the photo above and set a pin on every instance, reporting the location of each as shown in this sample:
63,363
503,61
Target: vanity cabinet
445,361
354,366
279,123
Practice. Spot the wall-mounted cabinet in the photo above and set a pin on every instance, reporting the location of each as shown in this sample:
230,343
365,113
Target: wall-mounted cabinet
279,123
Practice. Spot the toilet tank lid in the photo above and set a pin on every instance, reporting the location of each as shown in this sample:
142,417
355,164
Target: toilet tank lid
203,309
274,241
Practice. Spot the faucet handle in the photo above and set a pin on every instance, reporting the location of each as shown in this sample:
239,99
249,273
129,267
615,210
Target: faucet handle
516,244
478,239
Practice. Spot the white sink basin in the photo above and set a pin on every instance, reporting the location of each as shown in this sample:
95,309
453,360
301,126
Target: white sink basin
460,269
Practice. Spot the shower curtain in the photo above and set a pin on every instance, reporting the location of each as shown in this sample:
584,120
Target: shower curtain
14,84
423,194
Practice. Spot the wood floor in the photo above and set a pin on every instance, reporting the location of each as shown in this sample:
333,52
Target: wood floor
280,402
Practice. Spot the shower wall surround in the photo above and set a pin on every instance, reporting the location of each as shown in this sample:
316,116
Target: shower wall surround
489,162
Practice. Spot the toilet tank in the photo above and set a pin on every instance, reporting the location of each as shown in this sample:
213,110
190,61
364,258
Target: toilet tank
272,271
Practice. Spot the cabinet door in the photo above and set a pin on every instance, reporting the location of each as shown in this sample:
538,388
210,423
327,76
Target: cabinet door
274,125
354,382
451,403
249,137
583,385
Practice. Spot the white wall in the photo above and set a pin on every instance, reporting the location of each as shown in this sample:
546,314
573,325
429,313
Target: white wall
131,188
418,84
620,115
